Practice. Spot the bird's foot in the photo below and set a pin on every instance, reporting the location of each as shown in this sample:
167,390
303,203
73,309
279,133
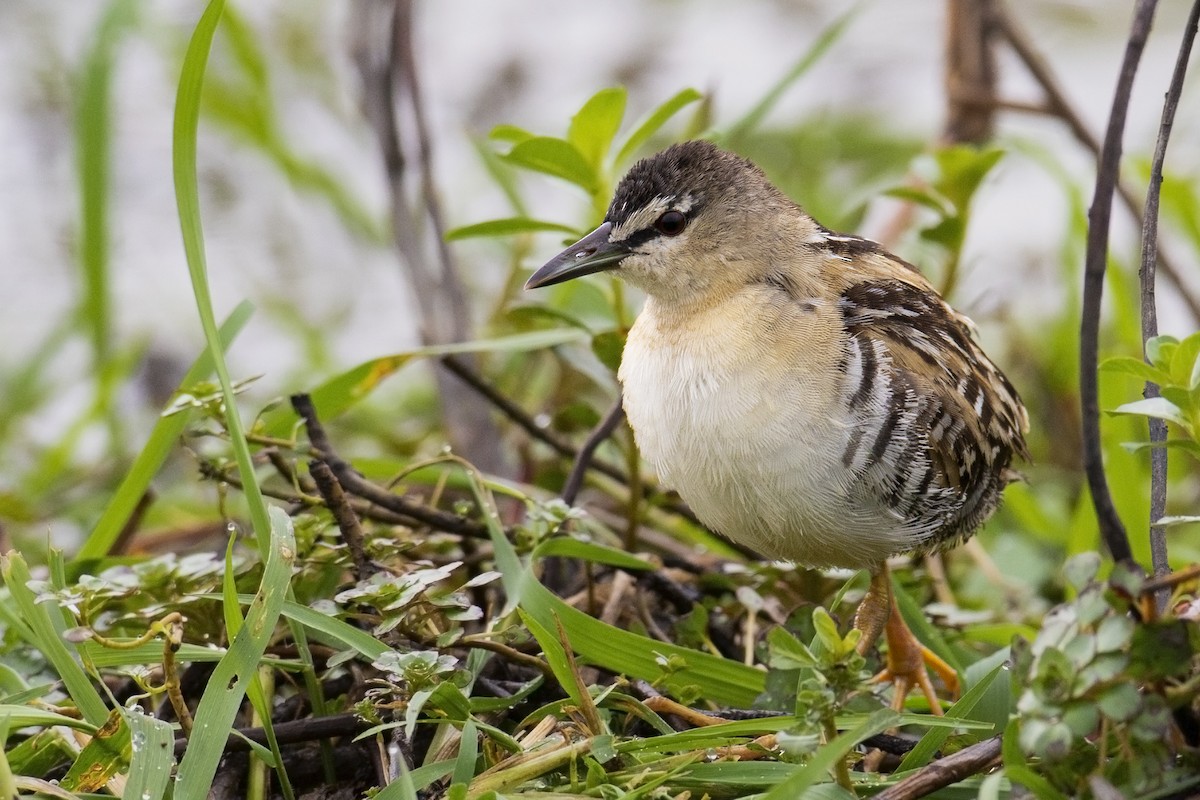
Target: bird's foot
909,663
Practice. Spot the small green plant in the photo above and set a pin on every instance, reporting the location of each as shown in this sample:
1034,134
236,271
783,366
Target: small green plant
1175,366
1096,687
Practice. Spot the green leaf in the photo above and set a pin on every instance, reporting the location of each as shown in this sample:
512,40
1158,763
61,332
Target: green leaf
722,681
827,632
608,347
510,133
788,652
1177,520
332,631
962,169
1178,396
949,232
103,757
187,198
1185,362
556,157
593,127
589,551
1160,350
93,133
1186,445
922,197
509,226
650,124
1128,365
1157,407
30,716
555,655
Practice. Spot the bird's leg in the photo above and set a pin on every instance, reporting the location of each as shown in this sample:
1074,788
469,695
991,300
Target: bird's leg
874,610
907,658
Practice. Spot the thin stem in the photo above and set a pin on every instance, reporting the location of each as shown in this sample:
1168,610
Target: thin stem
584,458
1158,427
1058,106
1112,530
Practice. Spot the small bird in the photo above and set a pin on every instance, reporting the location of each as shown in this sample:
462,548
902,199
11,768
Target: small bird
806,392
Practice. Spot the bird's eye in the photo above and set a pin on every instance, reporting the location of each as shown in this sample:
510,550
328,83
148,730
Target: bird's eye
671,223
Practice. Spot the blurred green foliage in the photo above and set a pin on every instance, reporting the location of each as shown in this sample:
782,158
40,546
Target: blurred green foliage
1077,669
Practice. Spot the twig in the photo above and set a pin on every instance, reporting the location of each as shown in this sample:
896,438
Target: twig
523,420
1112,530
436,285
564,448
1061,108
509,653
1158,427
343,514
945,771
357,485
362,509
584,458
304,730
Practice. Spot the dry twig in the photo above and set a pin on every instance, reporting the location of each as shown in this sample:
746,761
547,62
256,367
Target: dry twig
945,771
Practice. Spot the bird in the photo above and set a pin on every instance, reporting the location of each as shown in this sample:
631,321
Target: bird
807,393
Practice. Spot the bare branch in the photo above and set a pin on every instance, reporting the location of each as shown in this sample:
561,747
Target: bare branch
945,771
417,224
1059,106
347,520
1158,427
355,484
584,458
1112,530
970,70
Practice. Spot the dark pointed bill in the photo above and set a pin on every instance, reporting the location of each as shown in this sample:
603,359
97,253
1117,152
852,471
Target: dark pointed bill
592,253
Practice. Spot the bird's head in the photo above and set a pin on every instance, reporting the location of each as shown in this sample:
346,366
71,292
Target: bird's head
677,220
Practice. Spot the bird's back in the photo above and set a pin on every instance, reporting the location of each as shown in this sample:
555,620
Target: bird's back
836,413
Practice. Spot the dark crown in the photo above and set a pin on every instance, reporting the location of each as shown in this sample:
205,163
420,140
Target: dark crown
697,168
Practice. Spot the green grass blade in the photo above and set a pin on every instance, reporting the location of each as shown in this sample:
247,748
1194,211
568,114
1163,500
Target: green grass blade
255,691
29,716
720,680
340,392
187,196
220,702
819,47
923,753
151,653
93,130
649,126
45,624
820,764
162,440
152,758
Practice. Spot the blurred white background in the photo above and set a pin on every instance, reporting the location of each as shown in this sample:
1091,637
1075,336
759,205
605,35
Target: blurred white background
526,62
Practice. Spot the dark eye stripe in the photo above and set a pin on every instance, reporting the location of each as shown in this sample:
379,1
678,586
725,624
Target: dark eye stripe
641,237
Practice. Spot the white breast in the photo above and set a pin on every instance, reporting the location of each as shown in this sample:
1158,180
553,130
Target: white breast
739,409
